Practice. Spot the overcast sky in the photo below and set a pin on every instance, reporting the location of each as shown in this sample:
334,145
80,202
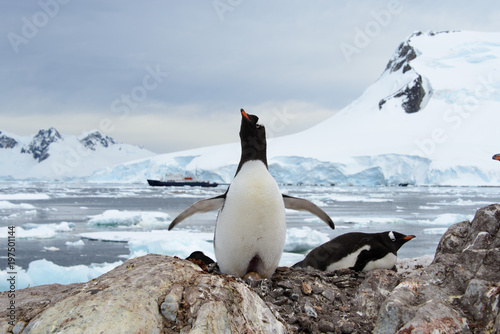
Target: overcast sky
173,75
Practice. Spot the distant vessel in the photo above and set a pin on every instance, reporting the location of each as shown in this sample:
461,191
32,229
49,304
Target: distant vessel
186,181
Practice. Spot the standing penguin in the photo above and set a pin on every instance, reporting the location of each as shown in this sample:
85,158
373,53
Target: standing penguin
250,230
357,251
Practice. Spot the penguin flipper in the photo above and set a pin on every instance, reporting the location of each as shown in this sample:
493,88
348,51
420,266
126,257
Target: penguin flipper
202,206
362,260
301,204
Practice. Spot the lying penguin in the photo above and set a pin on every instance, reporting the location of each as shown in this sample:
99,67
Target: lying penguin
250,229
357,251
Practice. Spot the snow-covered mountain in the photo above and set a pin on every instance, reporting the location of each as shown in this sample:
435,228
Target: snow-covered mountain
431,118
50,155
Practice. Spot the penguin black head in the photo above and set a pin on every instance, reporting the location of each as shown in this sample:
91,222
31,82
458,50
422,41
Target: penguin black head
200,256
496,157
253,139
395,240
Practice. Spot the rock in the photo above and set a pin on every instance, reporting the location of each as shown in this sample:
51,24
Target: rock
374,290
326,326
149,294
316,301
39,146
413,96
402,57
96,139
459,290
7,142
170,306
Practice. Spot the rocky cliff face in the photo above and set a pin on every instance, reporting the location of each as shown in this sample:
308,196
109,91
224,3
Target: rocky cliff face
458,292
96,139
413,95
6,141
39,146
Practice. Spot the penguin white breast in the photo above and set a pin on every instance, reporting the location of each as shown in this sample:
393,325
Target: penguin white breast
347,261
251,223
387,262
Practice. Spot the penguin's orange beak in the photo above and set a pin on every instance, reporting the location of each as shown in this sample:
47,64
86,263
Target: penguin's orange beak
409,237
496,157
244,114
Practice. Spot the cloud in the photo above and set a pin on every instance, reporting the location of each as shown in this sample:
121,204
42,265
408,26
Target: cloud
284,54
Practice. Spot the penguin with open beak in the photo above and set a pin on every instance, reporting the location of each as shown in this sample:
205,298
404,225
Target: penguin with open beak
250,229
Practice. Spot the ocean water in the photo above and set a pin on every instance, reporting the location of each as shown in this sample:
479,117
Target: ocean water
63,229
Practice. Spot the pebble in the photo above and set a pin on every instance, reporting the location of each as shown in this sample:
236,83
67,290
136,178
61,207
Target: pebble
306,288
326,326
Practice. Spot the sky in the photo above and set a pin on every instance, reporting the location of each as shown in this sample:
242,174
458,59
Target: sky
173,75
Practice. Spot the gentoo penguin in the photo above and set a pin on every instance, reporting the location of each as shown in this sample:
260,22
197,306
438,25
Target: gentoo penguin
496,157
250,229
357,251
200,256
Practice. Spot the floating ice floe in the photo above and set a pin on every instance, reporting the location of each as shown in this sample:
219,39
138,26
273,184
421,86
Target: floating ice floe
353,198
447,219
130,219
42,272
428,207
38,231
435,230
78,243
6,205
299,240
51,249
182,243
24,196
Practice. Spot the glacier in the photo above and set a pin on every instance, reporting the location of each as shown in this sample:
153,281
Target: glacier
425,121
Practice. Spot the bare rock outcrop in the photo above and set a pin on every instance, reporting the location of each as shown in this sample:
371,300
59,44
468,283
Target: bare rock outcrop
460,291
150,294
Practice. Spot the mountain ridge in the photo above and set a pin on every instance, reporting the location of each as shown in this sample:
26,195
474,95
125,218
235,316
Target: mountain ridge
50,154
424,121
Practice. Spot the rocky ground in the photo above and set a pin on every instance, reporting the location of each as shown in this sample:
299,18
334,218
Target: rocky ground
459,292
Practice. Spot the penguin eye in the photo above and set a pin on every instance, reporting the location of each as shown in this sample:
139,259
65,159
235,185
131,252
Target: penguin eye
258,126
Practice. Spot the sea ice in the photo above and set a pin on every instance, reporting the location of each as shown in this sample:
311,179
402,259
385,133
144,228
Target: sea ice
6,205
41,272
447,219
22,196
130,219
78,243
51,249
435,230
299,240
38,231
